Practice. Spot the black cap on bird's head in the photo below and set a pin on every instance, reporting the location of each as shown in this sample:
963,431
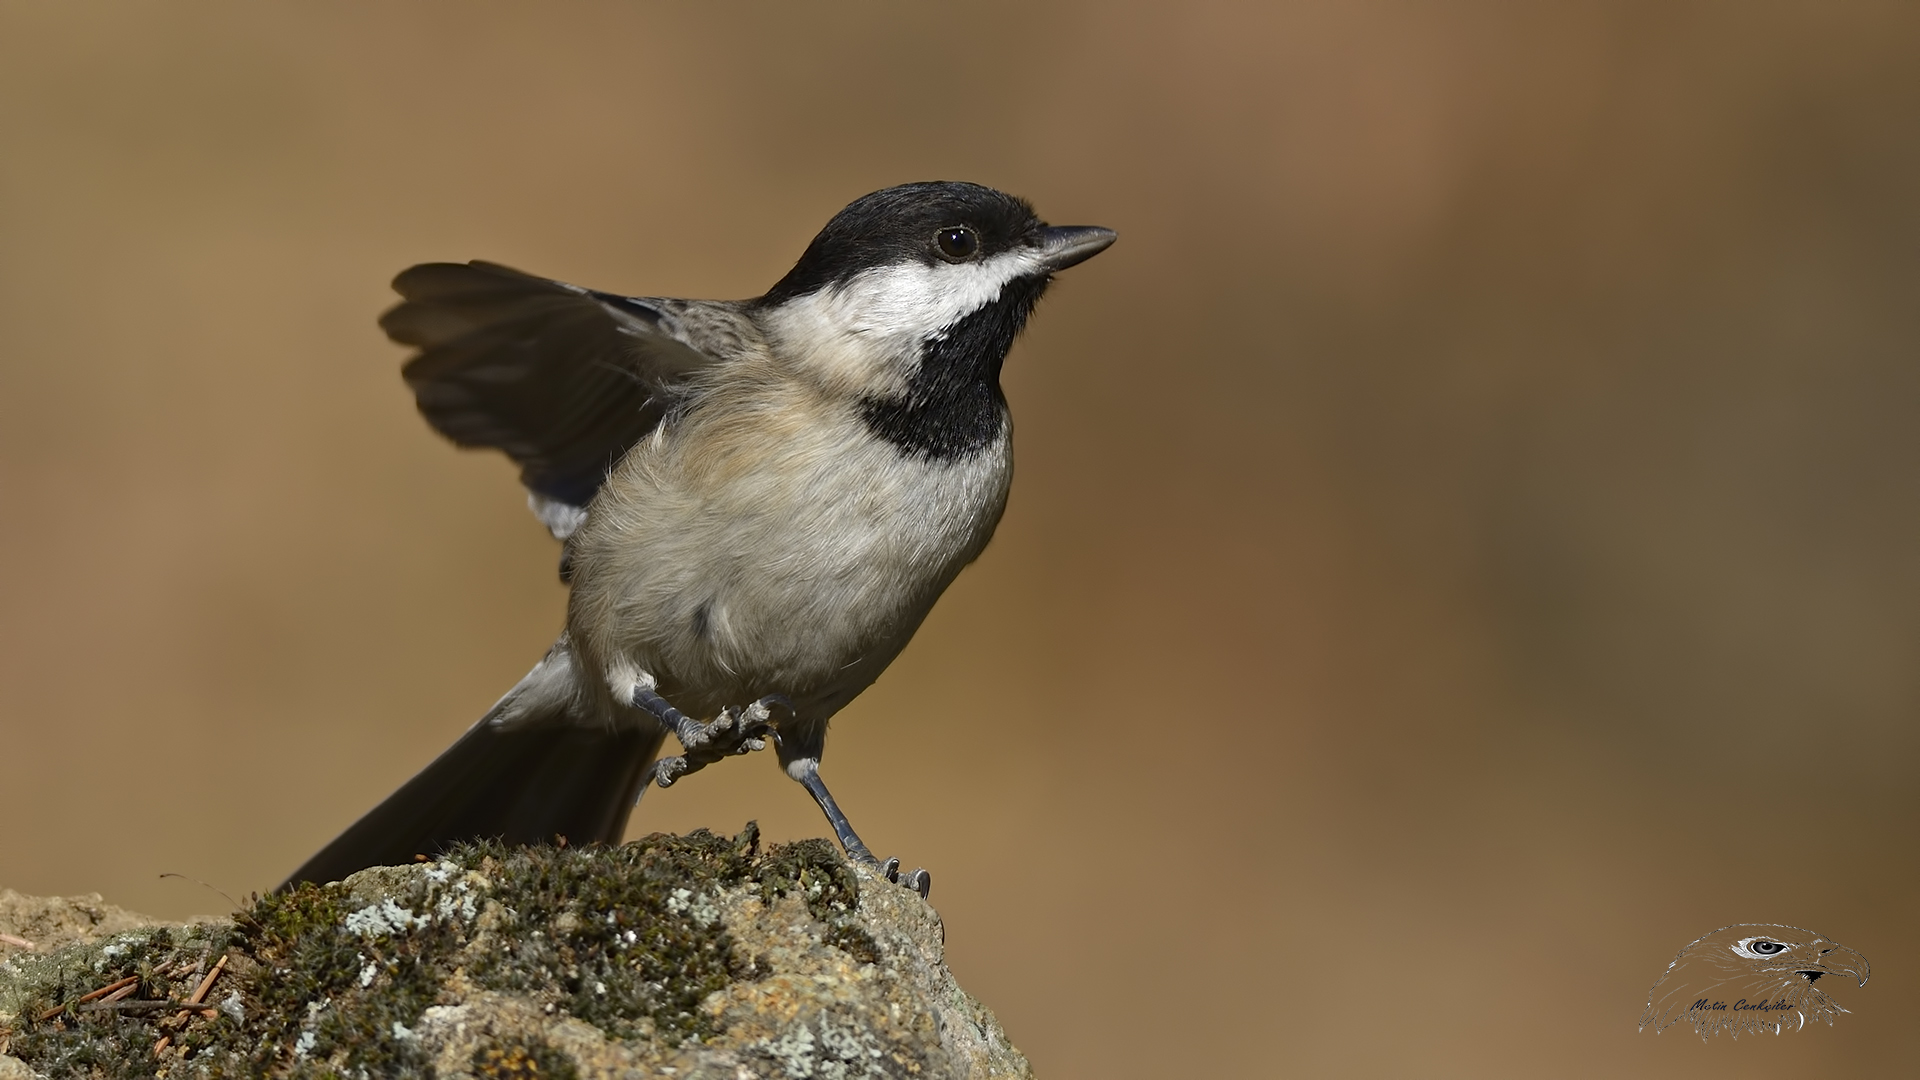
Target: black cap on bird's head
909,300
932,223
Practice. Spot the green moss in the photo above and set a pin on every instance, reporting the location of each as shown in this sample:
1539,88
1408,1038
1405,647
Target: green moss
327,980
624,941
64,1036
618,935
815,869
524,1059
340,982
853,941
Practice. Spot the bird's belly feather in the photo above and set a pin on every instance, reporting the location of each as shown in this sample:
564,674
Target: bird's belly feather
733,562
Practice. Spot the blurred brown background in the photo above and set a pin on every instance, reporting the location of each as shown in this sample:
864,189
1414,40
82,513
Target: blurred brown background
1466,542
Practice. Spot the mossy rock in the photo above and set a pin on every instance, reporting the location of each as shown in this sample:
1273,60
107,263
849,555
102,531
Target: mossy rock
683,956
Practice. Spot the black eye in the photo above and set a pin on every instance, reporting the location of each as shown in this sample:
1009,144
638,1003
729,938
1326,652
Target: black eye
957,242
1766,948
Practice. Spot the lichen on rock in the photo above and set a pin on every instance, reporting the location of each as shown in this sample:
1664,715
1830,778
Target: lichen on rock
685,956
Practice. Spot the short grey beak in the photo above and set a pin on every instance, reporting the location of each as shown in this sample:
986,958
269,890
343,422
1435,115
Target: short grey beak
1062,246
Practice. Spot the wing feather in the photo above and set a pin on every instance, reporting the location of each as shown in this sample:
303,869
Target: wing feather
563,379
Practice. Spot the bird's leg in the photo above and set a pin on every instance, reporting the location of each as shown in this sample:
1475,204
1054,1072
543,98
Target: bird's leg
807,771
735,731
740,731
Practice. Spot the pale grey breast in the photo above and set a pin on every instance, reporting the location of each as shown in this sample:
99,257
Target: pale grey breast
783,553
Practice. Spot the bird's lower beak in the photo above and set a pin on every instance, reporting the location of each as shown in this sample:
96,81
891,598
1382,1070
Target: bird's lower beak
1839,960
1062,246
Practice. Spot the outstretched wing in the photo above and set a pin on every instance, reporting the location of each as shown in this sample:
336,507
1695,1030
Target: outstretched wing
563,379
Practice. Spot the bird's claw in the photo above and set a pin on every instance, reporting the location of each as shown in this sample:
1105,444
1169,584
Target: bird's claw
735,731
919,881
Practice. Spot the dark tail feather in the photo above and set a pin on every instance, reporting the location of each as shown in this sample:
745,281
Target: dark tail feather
533,769
522,785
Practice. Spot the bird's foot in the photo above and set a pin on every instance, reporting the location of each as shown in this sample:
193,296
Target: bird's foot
736,730
806,769
919,881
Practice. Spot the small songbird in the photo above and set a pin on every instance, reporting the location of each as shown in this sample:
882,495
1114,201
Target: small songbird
758,501
1751,978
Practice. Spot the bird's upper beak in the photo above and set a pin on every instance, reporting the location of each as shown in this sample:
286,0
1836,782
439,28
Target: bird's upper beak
1838,960
1062,246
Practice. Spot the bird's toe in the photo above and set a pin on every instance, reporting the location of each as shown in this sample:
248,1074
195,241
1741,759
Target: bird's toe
919,881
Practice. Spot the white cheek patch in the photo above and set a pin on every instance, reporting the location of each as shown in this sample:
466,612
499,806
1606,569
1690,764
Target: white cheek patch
867,332
918,301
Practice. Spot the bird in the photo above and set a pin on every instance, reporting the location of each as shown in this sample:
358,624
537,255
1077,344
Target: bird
758,502
1750,978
